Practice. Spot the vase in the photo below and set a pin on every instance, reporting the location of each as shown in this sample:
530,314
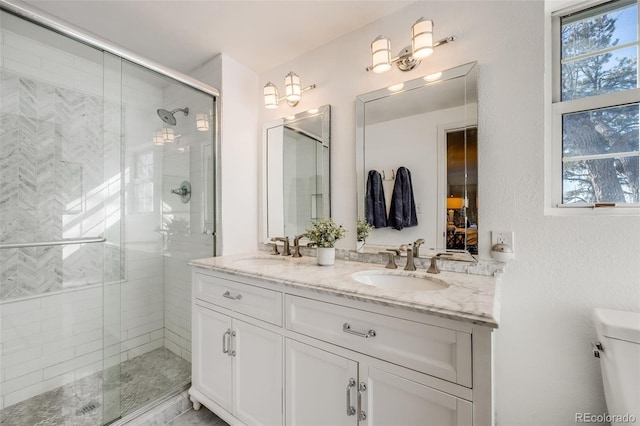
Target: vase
326,256
360,246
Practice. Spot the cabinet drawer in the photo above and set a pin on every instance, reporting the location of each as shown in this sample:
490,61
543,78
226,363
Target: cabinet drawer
436,351
247,299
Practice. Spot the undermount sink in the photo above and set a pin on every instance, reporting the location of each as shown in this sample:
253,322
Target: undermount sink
399,280
261,261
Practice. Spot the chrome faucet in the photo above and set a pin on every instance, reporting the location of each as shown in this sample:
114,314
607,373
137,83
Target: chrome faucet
296,245
416,247
286,251
410,266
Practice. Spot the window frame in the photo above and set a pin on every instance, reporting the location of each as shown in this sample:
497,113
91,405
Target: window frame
555,108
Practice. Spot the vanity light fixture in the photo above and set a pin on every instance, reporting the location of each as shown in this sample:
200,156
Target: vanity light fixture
168,135
202,122
292,88
422,46
158,138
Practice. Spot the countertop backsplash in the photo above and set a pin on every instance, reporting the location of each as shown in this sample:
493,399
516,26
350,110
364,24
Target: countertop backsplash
481,267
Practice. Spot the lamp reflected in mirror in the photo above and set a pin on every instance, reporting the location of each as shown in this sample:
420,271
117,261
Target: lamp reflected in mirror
453,203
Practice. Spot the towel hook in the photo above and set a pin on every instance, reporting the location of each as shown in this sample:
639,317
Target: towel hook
393,175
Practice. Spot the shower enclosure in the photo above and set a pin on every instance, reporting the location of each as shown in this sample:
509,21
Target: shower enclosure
106,192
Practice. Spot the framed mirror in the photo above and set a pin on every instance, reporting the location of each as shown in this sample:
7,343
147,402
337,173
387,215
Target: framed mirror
296,186
416,161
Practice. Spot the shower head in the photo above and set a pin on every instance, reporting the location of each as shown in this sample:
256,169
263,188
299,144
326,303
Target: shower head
168,117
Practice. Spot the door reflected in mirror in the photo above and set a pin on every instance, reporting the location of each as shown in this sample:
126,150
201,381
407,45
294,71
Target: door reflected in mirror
428,131
296,179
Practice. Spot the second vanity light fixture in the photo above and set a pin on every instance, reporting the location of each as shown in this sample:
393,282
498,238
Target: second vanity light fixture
292,88
422,46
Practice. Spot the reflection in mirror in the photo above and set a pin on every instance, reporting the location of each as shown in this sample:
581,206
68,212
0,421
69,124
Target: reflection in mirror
296,164
428,131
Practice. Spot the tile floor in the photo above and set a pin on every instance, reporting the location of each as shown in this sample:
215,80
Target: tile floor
142,379
202,417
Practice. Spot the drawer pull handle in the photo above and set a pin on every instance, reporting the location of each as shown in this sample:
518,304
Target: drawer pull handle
351,410
229,296
362,388
232,351
346,327
225,341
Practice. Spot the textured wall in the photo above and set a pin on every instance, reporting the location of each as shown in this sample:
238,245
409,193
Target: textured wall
564,266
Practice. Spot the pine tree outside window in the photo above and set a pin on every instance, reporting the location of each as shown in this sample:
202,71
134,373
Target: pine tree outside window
596,106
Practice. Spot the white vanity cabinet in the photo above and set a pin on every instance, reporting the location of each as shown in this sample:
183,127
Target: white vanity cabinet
265,353
237,365
381,395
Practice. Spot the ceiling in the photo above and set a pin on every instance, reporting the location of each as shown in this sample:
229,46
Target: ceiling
184,34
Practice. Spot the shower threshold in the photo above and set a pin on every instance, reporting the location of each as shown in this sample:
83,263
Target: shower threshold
143,379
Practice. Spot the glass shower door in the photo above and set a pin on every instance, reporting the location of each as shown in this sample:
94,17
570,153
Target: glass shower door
59,230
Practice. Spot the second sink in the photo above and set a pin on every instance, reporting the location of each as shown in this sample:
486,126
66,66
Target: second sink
399,281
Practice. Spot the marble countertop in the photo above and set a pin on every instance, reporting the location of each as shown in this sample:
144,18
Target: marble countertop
469,298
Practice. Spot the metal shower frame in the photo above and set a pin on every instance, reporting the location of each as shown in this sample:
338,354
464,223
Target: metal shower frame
37,16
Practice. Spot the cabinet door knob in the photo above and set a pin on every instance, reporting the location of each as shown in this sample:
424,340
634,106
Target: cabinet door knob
351,411
346,327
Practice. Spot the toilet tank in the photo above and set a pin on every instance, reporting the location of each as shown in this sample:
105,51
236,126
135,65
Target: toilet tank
619,336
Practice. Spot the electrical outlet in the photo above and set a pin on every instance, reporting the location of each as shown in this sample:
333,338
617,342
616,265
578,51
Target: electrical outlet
502,237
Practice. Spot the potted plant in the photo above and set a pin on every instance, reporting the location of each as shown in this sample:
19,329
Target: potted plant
324,233
363,229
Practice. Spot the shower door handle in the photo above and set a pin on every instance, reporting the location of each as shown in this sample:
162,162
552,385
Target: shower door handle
226,337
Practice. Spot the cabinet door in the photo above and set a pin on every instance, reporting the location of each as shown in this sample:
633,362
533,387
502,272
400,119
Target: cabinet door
257,375
211,366
392,400
318,388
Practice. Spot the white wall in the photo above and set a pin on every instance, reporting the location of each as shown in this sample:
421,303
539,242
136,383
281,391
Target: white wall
239,131
564,266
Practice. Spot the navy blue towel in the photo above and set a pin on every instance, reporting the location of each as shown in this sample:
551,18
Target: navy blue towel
375,206
403,209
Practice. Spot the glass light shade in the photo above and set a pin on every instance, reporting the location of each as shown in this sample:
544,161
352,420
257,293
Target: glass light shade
158,138
292,87
422,38
270,96
202,122
168,135
380,54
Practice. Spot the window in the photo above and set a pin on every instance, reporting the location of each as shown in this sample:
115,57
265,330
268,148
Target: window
596,101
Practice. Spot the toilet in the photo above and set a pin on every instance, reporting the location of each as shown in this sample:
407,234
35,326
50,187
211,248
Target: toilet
618,348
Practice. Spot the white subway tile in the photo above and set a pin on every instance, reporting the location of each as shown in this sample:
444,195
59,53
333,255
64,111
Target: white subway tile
37,389
147,328
142,349
17,358
46,360
29,305
137,341
85,348
172,347
18,383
